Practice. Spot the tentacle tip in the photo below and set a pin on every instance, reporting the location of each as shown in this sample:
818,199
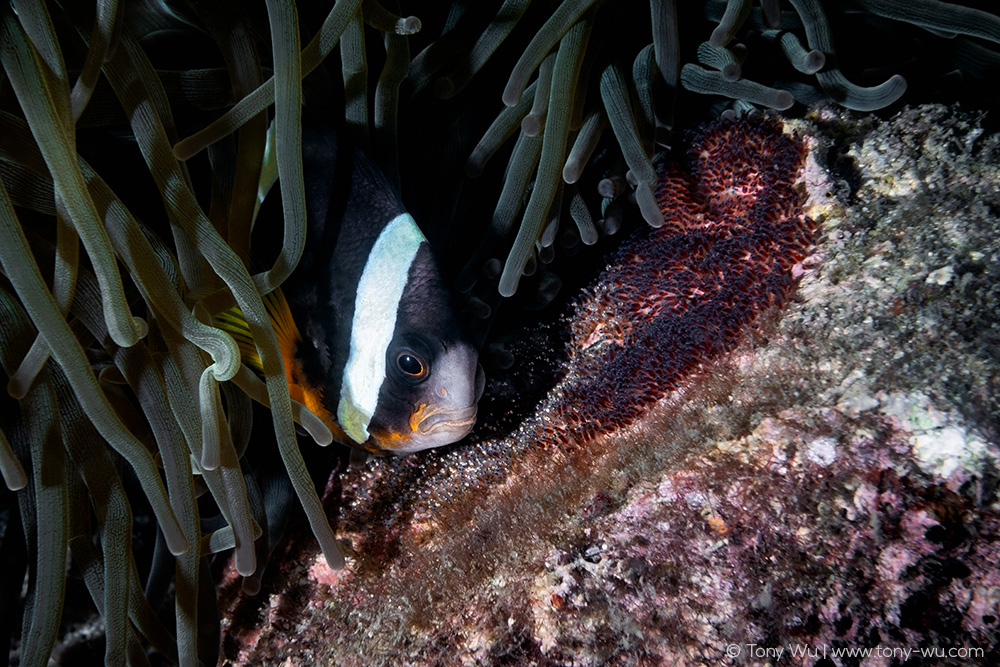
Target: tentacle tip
815,61
15,389
508,288
322,438
183,150
654,221
444,88
531,125
732,72
210,459
246,562
473,168
251,585
334,559
176,542
607,188
784,100
408,26
571,173
479,309
650,210
492,268
125,332
15,479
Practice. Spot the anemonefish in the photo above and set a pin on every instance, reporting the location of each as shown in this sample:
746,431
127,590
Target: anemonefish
369,338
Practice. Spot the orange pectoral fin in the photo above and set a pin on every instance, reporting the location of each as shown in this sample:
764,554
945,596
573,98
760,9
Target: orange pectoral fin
288,337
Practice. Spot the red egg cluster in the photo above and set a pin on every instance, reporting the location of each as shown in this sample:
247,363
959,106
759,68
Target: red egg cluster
676,297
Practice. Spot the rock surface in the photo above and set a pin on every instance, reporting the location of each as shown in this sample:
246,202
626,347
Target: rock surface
828,487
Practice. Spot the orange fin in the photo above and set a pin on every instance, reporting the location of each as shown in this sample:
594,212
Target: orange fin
234,323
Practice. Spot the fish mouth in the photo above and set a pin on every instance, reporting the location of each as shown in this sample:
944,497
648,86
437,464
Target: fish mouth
433,418
429,426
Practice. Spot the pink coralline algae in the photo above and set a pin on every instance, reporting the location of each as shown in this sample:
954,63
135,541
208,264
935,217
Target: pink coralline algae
786,547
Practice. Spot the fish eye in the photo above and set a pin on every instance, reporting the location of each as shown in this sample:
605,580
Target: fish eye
410,364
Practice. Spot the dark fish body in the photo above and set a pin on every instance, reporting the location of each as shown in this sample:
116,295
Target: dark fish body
376,351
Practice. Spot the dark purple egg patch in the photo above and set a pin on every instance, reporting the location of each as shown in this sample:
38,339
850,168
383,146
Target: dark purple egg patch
679,296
